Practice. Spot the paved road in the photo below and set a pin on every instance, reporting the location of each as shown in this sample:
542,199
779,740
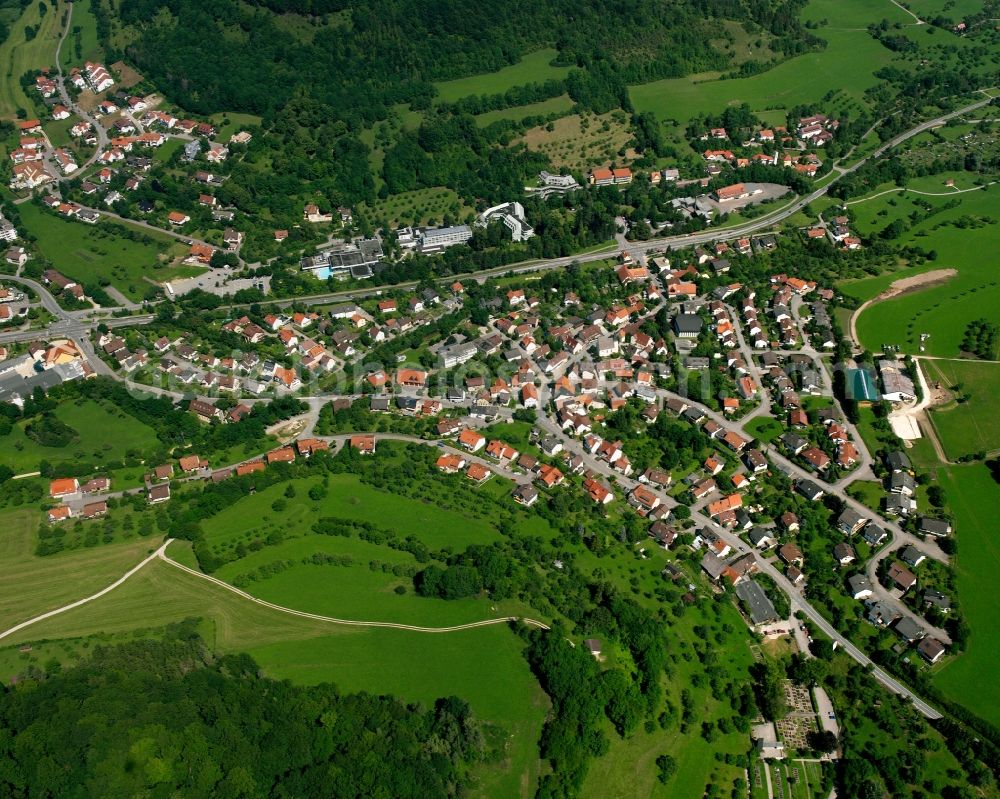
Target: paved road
660,244
102,136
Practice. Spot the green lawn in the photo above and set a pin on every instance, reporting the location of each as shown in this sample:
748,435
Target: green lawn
555,105
846,66
418,667
868,493
17,55
347,497
533,68
971,426
959,236
236,123
971,679
33,585
356,591
764,428
90,253
484,666
104,433
89,47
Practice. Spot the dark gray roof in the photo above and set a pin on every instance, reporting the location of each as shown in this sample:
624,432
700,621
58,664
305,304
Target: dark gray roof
687,323
908,629
933,526
898,461
809,489
758,605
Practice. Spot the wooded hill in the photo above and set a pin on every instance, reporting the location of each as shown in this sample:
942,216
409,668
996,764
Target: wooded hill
169,719
219,55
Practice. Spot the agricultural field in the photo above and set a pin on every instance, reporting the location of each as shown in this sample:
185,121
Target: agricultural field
973,495
532,68
413,666
348,498
971,426
846,67
419,667
582,141
91,421
544,108
360,586
92,253
34,585
81,43
18,55
958,235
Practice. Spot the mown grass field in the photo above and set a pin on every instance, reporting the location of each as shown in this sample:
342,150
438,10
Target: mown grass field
764,428
104,433
230,122
33,585
355,591
970,679
90,253
846,66
971,426
554,105
532,68
959,236
18,55
347,498
483,666
82,31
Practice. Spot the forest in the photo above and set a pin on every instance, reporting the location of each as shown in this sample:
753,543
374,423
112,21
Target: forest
168,718
350,62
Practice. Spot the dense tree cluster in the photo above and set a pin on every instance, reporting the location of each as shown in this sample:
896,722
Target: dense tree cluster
981,337
168,719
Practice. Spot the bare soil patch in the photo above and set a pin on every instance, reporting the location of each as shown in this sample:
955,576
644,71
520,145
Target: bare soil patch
129,77
917,283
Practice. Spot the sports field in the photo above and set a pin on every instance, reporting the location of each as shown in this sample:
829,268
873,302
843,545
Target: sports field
971,426
532,68
18,55
90,253
91,421
960,236
974,495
